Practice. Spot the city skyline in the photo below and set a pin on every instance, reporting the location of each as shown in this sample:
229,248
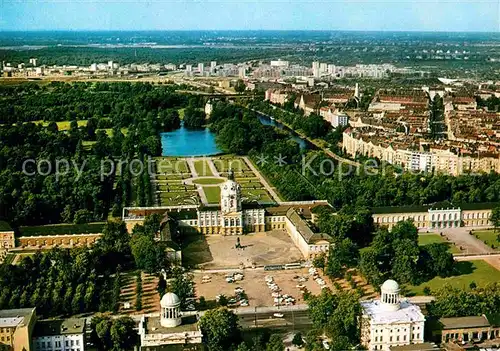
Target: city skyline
420,15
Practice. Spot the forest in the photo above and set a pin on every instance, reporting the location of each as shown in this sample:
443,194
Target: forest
81,126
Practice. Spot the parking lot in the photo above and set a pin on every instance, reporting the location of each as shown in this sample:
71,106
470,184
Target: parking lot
257,290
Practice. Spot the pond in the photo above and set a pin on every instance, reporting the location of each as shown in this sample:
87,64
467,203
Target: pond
185,142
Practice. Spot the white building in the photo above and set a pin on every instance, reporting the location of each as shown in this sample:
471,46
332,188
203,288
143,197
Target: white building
171,328
59,335
280,63
201,67
390,321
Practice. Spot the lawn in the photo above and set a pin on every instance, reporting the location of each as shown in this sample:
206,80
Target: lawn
59,229
426,239
212,193
478,271
489,237
202,168
208,181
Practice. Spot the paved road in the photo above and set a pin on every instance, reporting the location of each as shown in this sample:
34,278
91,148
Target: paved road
460,237
264,182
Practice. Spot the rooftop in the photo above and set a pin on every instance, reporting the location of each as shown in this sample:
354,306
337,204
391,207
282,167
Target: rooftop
153,326
464,322
15,317
408,312
59,327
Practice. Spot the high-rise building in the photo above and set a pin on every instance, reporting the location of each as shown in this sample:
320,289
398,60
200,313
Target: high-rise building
201,67
213,64
315,69
33,61
323,67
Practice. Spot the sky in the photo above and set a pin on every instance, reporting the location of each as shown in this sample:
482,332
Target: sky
371,15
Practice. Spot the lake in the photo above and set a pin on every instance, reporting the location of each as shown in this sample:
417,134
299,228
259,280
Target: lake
185,142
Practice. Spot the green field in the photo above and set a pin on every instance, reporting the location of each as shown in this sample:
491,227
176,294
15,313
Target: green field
208,181
468,271
59,229
212,193
202,168
489,237
426,239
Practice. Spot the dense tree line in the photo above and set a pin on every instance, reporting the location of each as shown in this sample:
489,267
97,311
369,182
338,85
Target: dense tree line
123,123
67,281
456,302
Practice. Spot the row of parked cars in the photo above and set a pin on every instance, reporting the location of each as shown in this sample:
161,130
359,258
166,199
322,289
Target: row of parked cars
279,298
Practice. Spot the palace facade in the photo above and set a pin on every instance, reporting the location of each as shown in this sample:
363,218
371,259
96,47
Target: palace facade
235,217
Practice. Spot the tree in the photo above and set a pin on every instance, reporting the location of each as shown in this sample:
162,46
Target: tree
240,86
148,255
162,286
342,255
275,343
319,261
297,340
181,284
194,118
220,329
495,218
440,261
404,263
123,334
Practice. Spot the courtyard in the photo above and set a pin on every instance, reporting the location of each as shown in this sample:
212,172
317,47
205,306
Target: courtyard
258,249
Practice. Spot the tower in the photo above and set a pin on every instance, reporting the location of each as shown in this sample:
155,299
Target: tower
356,91
390,296
230,195
170,311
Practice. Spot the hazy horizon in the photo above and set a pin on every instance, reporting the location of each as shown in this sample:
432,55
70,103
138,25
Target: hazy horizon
225,15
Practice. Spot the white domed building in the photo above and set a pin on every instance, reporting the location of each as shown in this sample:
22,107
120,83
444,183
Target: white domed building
170,315
171,330
391,321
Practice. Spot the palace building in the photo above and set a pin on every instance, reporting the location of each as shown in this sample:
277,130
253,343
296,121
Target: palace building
390,321
233,216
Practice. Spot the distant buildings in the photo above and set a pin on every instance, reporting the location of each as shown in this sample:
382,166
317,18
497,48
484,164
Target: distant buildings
390,321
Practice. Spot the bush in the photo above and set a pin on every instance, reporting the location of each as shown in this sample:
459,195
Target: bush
82,216
427,291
